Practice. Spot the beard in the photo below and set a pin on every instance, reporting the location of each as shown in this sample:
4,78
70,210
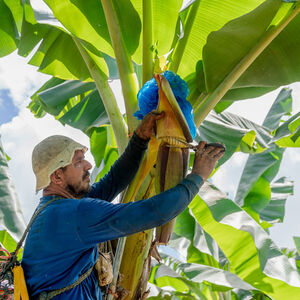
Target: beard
79,190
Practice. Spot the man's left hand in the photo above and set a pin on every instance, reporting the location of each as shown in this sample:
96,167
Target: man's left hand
148,125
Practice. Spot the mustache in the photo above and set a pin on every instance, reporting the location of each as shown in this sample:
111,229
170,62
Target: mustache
85,175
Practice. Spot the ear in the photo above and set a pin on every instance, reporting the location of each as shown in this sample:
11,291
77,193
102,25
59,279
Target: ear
57,177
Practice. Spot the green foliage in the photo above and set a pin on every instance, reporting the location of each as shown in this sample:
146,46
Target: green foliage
75,103
11,217
8,38
251,253
211,16
7,242
254,190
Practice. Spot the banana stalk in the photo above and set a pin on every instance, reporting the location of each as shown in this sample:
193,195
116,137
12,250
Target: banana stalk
135,269
171,158
173,155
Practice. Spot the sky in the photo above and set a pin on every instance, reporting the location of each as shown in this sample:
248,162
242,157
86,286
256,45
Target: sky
20,131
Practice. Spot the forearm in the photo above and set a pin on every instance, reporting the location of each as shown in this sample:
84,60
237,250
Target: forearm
100,221
122,172
161,208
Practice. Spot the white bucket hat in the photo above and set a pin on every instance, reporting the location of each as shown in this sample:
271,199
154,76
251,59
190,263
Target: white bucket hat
50,154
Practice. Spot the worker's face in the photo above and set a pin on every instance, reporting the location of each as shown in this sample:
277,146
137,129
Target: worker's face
77,176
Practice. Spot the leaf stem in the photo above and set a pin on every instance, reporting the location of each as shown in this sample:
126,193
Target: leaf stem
128,77
116,266
108,98
147,41
181,44
241,67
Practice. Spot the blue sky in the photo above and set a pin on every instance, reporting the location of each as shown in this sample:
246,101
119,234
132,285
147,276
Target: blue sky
7,108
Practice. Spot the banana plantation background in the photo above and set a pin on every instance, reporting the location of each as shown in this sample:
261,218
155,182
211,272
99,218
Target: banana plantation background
226,51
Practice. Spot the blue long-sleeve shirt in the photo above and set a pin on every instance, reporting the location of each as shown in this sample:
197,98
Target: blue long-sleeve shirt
62,242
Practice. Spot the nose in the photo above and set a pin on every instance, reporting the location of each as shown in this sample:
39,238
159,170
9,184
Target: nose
88,166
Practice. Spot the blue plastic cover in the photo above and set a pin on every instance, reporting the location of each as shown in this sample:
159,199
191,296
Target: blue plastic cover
148,98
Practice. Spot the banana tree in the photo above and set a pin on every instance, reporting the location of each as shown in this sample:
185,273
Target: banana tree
225,51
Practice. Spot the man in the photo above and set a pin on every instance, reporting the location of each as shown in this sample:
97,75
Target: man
61,247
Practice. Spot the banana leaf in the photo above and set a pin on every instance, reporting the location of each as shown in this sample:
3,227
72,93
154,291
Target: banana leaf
237,133
254,191
287,135
194,245
228,46
8,243
8,28
251,253
274,212
187,277
211,16
93,27
11,217
16,11
75,103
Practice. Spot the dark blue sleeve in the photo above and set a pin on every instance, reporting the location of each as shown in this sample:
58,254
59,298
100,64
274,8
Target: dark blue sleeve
122,172
99,221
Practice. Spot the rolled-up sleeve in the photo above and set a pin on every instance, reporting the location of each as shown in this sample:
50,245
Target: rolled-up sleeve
122,172
99,221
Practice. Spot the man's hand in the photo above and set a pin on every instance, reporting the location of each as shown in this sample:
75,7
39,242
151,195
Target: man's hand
205,158
148,125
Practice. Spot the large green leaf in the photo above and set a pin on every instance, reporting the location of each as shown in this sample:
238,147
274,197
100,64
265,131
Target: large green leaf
251,253
7,242
259,170
11,217
91,18
75,103
237,133
36,106
57,54
56,97
193,244
93,28
211,16
8,30
110,154
228,46
254,191
287,135
31,31
89,112
98,142
274,212
16,10
193,274
282,106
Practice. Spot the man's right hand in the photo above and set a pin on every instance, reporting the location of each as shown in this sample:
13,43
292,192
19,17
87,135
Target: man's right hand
205,160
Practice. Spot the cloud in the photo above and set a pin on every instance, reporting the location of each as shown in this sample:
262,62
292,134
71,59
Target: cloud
19,78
